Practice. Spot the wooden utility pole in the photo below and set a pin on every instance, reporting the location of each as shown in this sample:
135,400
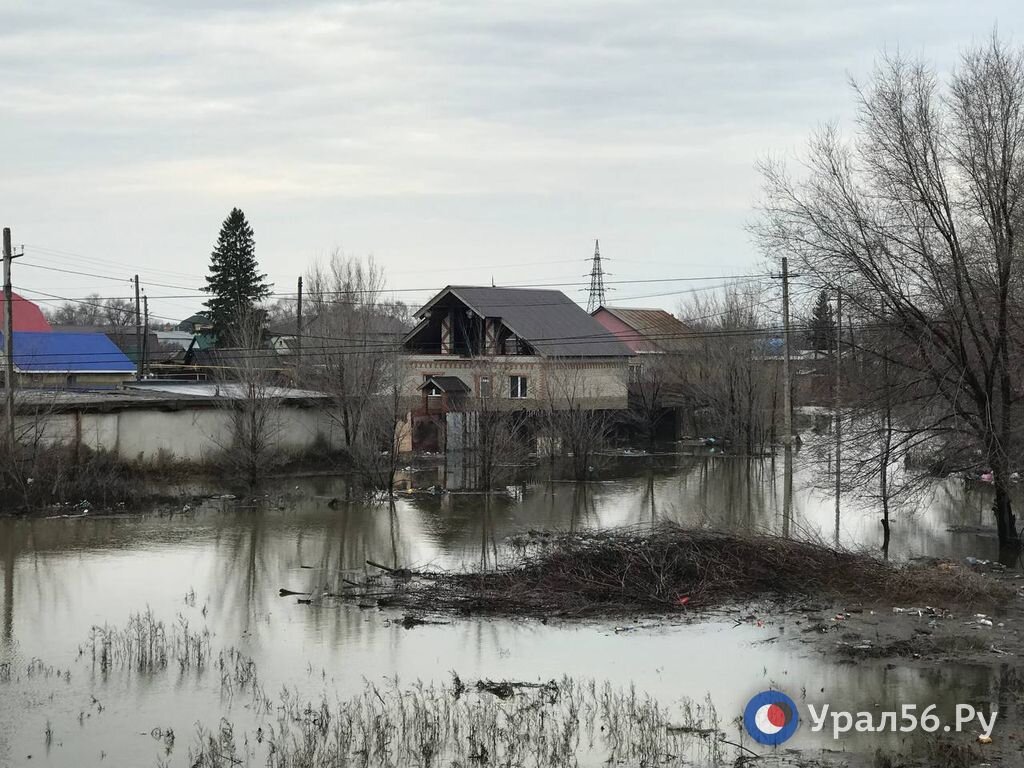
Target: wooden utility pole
298,324
138,332
145,336
787,376
838,416
11,378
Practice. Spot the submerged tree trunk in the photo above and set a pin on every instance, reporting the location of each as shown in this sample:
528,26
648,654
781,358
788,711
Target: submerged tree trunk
1006,521
918,216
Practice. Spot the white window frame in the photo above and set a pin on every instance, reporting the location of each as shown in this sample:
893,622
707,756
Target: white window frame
518,387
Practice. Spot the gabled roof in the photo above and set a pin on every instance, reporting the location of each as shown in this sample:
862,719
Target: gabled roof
655,326
27,315
199,319
60,352
549,321
449,384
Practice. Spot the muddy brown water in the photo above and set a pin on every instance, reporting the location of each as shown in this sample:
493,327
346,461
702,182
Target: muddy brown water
220,566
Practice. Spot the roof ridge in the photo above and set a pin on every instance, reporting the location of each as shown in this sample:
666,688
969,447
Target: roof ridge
507,288
636,309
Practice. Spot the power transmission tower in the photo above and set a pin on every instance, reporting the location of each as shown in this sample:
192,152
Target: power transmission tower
596,297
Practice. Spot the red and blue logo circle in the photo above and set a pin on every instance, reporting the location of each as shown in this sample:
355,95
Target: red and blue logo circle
771,718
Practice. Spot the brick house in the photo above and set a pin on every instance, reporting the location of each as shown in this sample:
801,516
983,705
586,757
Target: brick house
509,345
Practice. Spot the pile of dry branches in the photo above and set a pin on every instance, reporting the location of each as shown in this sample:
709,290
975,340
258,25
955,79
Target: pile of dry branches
668,567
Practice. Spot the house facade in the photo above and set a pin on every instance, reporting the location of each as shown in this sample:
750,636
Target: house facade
518,349
661,344
55,359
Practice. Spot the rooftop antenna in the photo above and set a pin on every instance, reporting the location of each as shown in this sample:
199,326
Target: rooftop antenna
596,297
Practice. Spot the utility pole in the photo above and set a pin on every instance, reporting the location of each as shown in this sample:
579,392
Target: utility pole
838,416
145,336
9,340
298,324
138,332
787,375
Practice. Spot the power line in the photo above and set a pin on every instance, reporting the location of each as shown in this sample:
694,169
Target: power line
286,295
105,277
362,347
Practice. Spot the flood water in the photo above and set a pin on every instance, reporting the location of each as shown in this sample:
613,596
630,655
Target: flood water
219,567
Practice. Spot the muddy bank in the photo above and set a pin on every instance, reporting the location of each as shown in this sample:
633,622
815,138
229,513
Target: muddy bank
70,480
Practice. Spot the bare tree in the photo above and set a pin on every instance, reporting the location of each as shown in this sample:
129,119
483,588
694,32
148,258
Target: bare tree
281,310
574,427
877,404
915,221
88,311
731,370
350,341
250,391
656,386
119,312
496,429
384,428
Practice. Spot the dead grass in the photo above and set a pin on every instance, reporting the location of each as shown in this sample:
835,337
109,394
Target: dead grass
672,568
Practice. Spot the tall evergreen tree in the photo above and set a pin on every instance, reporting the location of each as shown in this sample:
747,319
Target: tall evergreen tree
823,324
235,282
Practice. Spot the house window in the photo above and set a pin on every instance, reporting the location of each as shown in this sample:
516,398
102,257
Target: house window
514,346
517,387
484,387
636,372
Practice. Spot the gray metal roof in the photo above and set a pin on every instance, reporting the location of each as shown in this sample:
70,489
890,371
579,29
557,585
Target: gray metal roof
549,321
446,384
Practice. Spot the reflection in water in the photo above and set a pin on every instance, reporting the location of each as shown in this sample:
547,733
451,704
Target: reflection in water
8,613
63,576
649,497
313,541
787,491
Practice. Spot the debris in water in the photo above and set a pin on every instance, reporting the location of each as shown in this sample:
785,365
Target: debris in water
506,689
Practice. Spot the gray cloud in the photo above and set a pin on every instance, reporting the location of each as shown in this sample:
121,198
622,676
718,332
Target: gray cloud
427,132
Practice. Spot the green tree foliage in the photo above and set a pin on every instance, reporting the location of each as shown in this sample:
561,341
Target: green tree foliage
235,282
823,324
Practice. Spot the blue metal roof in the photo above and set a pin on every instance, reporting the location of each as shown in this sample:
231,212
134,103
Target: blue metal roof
67,352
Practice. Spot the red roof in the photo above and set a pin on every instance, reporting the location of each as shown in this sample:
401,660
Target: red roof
27,315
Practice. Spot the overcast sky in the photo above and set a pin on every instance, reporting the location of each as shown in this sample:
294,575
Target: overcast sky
456,141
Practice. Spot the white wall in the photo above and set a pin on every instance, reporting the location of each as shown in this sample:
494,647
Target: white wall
187,434
605,380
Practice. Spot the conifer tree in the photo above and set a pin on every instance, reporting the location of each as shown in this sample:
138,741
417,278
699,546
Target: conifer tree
823,324
235,282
